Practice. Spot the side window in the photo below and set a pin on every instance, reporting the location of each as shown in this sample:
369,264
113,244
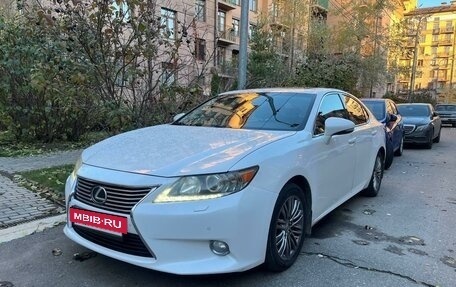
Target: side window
356,112
331,106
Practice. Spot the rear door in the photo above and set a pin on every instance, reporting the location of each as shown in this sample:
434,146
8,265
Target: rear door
364,138
397,126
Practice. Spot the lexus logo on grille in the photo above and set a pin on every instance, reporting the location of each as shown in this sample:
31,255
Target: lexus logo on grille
99,194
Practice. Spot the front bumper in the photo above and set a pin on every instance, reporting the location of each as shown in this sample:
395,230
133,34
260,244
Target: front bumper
417,137
178,234
448,120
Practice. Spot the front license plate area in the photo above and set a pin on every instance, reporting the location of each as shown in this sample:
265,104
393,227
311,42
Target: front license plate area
100,221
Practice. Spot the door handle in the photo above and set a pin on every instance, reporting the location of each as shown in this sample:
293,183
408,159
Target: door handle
352,140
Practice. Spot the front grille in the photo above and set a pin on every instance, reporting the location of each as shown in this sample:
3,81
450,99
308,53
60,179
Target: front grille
409,128
119,198
129,243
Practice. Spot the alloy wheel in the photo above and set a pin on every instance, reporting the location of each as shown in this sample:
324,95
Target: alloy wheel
378,173
289,227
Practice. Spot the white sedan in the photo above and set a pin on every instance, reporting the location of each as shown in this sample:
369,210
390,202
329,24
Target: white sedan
237,182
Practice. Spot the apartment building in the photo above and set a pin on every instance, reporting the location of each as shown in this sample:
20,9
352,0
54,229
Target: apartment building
374,24
429,52
213,27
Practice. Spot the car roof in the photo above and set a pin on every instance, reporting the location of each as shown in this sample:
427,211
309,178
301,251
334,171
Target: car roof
414,104
373,100
284,90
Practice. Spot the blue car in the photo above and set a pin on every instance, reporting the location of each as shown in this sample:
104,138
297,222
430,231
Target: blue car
385,110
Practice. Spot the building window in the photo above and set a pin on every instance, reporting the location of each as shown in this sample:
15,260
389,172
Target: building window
221,21
423,39
236,2
446,50
200,10
435,38
251,30
200,49
236,27
169,74
221,56
421,51
420,63
436,22
120,10
419,74
434,51
168,22
253,5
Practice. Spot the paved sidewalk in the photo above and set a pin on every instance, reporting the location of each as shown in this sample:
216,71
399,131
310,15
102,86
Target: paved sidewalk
19,205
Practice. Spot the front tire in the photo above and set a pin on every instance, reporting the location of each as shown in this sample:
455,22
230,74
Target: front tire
376,178
428,145
287,229
437,139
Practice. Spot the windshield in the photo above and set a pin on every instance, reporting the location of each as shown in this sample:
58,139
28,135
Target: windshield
258,111
377,108
414,110
450,108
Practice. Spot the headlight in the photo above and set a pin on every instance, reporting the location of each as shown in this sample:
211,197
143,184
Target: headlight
76,167
421,128
208,186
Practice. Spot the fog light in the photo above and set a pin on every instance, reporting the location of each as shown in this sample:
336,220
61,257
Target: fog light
219,247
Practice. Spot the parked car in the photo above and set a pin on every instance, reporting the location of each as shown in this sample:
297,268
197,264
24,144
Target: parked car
385,110
422,125
447,113
234,183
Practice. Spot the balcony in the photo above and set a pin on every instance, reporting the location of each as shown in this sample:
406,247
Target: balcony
410,44
447,30
436,31
446,42
435,42
443,55
228,37
227,5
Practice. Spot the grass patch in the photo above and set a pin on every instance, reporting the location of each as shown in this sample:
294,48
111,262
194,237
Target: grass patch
48,182
9,147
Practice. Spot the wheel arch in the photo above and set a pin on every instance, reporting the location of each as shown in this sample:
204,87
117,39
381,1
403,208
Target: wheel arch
302,182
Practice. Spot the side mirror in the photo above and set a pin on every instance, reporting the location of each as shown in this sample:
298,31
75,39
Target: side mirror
178,116
335,126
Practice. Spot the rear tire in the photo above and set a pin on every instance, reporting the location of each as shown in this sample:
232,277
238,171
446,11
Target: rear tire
389,155
376,178
287,229
400,150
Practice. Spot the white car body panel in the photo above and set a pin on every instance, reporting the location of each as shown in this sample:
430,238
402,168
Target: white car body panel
178,233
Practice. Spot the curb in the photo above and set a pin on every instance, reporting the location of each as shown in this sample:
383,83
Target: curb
28,228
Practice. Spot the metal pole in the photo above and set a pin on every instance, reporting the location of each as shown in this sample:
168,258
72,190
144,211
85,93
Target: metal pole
415,58
375,55
244,35
452,65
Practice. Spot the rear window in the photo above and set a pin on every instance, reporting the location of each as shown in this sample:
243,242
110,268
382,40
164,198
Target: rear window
377,108
414,110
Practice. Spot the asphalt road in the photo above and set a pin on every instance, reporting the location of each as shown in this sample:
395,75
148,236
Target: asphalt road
404,237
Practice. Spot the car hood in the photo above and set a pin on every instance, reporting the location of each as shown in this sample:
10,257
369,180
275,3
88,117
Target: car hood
168,150
418,121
